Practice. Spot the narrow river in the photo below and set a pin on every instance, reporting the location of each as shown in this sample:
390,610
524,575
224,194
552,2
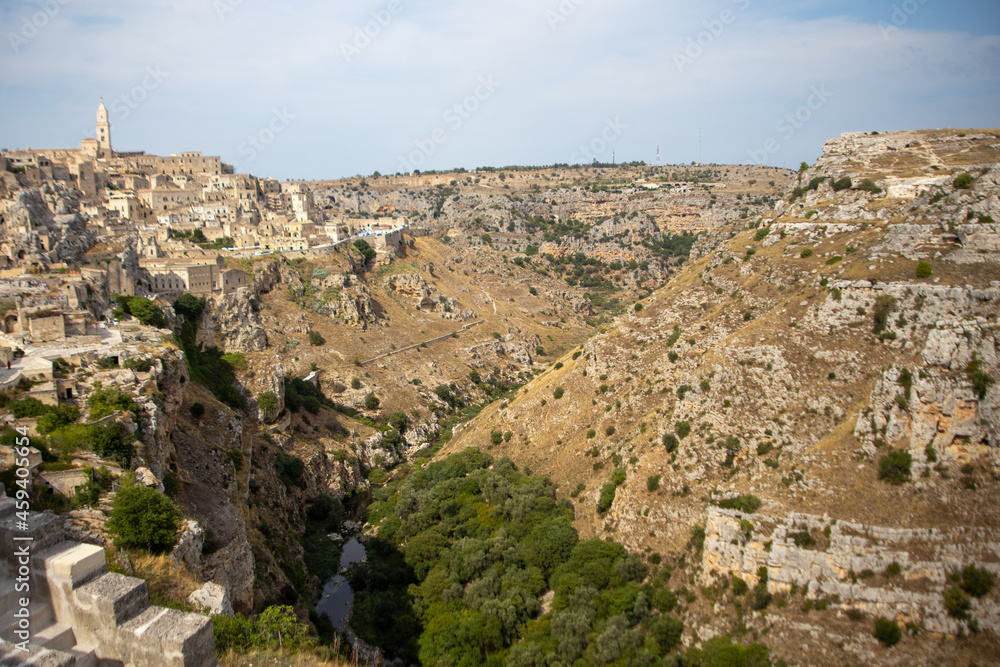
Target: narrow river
337,594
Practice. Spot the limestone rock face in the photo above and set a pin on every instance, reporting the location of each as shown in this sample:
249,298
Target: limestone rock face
190,542
44,226
827,564
265,374
213,599
232,322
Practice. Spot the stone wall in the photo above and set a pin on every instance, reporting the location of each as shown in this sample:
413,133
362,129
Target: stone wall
80,614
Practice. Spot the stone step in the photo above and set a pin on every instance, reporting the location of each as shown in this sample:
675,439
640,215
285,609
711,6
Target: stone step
35,656
114,598
56,637
39,616
85,656
75,561
41,530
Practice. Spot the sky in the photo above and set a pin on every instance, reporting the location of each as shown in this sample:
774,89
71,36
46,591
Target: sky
311,89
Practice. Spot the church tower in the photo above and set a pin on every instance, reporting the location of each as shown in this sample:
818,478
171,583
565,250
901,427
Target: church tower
103,131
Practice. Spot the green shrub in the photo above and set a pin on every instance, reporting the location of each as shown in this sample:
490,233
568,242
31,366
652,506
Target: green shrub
682,429
609,431
761,598
670,442
57,417
27,408
289,469
979,379
957,602
887,631
138,364
868,185
112,441
842,184
399,421
607,497
146,311
315,338
964,181
748,503
591,433
652,483
276,628
372,402
806,252
884,305
104,402
740,587
355,383
667,631
141,518
721,651
802,539
496,437
558,393
923,270
366,250
894,467
197,410
268,402
976,581
377,476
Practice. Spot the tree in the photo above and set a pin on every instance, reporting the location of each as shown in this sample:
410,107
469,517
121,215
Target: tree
315,339
399,421
147,312
268,402
366,250
608,492
112,441
189,306
144,519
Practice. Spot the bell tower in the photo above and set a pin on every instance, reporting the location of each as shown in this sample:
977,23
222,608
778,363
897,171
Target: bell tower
103,131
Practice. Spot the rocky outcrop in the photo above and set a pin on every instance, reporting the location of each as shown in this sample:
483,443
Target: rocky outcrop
232,322
44,226
846,562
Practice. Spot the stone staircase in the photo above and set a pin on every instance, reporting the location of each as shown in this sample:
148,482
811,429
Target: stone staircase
80,614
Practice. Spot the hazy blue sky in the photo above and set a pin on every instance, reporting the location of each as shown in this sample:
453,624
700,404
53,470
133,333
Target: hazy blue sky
299,90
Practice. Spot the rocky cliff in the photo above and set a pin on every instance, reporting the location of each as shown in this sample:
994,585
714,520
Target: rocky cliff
828,371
